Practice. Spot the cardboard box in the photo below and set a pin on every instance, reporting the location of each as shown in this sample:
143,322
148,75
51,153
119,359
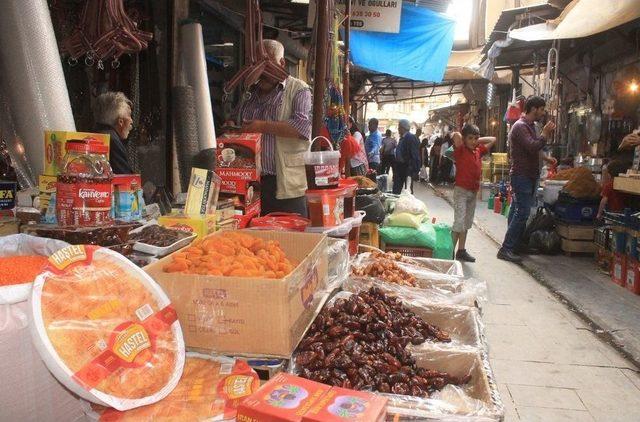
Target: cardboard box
619,269
54,147
203,191
459,364
285,397
340,404
251,316
46,187
239,156
229,224
225,209
8,194
250,189
201,225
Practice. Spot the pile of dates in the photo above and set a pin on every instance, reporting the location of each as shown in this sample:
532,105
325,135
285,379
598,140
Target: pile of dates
387,270
361,343
158,236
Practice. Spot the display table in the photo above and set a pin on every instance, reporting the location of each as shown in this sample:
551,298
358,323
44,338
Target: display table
627,184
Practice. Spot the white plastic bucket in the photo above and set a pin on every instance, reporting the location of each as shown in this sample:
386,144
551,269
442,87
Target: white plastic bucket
551,190
322,167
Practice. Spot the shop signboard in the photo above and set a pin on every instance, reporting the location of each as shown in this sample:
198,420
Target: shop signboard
367,15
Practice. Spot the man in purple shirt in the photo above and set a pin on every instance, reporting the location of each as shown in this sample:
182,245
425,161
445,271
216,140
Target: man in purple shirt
280,111
524,149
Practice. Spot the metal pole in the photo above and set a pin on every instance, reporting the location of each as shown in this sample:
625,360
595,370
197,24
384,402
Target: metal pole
347,36
320,74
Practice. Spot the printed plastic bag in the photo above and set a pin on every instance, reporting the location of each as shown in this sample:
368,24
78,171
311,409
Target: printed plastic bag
28,391
210,388
105,329
405,219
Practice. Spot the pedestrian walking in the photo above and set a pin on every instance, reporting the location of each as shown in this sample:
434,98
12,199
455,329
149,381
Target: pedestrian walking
387,152
407,157
434,161
468,150
524,147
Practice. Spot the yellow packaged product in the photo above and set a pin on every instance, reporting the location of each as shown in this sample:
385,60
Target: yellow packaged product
211,388
105,329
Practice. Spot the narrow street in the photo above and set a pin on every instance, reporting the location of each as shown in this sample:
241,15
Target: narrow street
548,363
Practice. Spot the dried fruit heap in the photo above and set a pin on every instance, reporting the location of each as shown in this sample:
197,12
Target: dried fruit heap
387,270
361,342
232,254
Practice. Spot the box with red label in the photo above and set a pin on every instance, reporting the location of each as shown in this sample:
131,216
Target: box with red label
619,269
285,397
55,147
244,215
340,404
239,156
244,200
633,276
248,188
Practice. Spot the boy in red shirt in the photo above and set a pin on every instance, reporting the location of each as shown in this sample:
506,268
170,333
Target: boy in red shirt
469,148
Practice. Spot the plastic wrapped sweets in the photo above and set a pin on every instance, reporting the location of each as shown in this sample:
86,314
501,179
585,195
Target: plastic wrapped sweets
105,329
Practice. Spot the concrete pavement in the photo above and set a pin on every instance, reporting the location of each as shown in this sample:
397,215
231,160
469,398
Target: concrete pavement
548,363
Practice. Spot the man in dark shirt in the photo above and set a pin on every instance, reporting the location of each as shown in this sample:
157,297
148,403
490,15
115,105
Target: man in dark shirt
524,148
112,113
407,157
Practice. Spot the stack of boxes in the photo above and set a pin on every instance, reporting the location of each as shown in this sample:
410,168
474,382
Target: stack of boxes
239,167
625,268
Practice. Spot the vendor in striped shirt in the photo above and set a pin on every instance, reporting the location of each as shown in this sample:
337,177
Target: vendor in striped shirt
281,112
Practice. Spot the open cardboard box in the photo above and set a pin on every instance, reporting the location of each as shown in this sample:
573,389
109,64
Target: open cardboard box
478,400
251,316
461,322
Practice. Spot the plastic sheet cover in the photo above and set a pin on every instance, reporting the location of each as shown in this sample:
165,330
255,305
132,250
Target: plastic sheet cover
28,391
32,76
105,329
476,399
433,286
23,244
420,51
194,68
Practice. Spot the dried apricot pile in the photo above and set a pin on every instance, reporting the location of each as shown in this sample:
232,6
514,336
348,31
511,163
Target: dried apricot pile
232,254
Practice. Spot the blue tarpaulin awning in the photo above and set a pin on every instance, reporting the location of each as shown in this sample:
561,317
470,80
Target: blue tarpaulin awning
420,51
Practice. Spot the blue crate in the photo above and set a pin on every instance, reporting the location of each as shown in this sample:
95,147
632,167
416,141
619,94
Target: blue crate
576,213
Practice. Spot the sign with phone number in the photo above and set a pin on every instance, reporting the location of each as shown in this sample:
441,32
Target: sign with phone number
367,15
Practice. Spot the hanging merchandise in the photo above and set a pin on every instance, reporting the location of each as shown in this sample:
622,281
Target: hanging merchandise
513,111
256,62
335,116
104,32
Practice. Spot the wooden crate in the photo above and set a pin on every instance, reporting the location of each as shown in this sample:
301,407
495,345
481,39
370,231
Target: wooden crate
571,247
572,232
369,235
627,184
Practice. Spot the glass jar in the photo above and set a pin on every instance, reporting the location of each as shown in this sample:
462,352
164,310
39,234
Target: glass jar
83,196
